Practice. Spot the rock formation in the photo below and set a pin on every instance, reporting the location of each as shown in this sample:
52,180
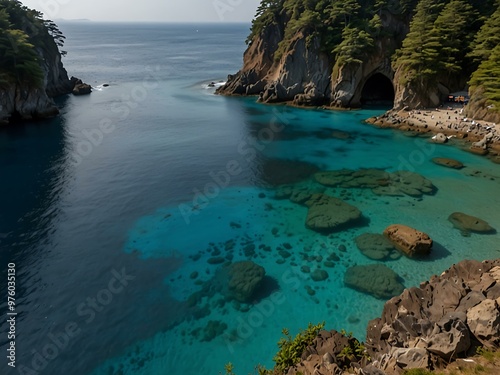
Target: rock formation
21,99
244,279
443,319
448,162
426,327
380,181
376,246
327,214
375,279
467,223
306,54
409,240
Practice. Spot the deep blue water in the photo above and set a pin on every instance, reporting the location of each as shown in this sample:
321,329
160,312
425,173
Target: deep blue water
102,213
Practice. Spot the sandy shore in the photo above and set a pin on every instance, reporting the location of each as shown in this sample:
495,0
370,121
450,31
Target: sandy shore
446,123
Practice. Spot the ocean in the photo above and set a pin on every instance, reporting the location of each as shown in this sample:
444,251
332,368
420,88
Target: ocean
117,213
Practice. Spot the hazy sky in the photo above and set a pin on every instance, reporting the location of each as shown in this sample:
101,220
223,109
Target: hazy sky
148,10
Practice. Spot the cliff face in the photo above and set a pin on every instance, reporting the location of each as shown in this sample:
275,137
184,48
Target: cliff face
306,75
24,98
381,52
24,102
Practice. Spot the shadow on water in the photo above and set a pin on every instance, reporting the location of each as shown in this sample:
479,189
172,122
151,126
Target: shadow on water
438,252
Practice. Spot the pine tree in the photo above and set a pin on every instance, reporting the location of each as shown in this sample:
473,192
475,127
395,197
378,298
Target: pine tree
418,55
487,38
451,36
485,81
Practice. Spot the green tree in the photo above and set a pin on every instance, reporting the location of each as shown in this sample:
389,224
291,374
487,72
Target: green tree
450,38
487,38
418,55
485,81
355,43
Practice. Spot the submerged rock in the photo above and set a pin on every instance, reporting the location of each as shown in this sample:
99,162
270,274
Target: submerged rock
409,240
213,329
380,181
375,279
327,214
375,246
244,279
467,223
447,162
319,275
280,171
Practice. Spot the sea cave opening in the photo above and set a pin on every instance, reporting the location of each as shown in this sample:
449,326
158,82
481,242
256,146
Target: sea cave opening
378,90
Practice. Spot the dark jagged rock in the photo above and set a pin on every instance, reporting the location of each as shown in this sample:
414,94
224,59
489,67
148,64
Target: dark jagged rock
81,88
375,279
441,320
329,353
409,240
426,328
467,223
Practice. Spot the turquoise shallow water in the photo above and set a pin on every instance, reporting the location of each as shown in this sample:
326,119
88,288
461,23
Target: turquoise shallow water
133,203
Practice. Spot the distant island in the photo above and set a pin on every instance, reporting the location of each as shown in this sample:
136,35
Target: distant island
409,54
31,71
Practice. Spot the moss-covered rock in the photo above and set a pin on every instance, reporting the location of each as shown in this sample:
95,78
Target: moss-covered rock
375,279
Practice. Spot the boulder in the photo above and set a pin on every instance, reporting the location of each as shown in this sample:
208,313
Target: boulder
451,340
375,246
484,322
409,358
319,275
244,279
467,223
439,138
447,162
409,240
327,214
375,279
82,89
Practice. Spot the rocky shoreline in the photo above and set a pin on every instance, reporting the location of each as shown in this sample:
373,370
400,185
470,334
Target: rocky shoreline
444,319
446,124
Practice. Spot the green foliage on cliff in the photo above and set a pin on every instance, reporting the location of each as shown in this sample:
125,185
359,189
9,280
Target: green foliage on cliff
434,41
23,32
485,81
291,349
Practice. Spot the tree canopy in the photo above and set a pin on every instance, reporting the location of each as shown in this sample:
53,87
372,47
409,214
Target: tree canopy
23,32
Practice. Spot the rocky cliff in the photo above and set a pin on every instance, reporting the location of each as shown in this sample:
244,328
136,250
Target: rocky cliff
446,318
32,71
355,52
306,75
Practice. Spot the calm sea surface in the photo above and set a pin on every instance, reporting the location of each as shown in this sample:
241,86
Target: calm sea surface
111,211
